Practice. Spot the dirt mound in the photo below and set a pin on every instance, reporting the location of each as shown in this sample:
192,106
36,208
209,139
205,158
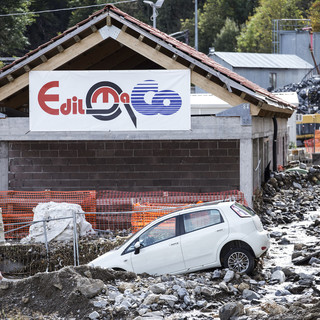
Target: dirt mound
64,292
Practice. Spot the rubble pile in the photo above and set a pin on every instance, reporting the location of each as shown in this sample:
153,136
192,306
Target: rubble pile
93,293
287,196
308,94
285,285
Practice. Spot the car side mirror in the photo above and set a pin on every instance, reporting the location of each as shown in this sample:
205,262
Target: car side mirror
137,247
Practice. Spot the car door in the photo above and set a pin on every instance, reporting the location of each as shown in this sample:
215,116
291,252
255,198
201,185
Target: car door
160,250
204,231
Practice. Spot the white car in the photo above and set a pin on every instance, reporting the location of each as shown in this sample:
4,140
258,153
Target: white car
203,236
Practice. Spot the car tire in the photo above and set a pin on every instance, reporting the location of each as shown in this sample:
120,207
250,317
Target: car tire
240,260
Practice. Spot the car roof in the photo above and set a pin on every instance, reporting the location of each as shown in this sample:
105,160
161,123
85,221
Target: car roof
190,208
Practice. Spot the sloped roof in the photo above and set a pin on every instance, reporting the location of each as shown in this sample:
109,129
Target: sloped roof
112,40
262,60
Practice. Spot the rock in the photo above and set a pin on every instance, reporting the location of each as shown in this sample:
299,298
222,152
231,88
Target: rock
202,303
90,287
4,285
279,276
272,308
284,241
125,285
228,276
168,299
231,310
205,291
297,185
100,304
216,274
94,315
158,288
282,292
314,260
243,286
223,286
250,295
150,299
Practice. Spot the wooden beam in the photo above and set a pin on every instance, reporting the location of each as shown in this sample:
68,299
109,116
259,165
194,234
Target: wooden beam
60,48
52,64
114,59
131,62
168,63
10,78
93,56
44,58
17,100
26,68
108,22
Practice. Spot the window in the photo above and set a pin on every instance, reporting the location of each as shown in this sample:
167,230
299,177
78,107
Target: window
272,80
160,232
201,219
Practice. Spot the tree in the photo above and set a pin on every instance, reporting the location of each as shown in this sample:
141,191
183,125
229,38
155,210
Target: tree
47,25
315,16
213,16
226,40
257,34
12,28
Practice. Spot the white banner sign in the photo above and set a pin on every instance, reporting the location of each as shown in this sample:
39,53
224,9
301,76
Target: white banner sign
109,100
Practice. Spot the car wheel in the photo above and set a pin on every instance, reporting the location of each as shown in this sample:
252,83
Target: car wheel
240,260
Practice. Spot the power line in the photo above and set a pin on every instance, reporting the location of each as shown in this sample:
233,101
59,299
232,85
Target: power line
63,9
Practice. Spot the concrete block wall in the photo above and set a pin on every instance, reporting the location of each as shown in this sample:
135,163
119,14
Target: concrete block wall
179,165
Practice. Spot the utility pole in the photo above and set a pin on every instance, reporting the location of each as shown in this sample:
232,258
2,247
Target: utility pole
196,24
154,7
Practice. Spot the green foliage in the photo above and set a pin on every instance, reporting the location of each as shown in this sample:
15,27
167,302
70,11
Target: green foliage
226,40
212,18
12,28
257,35
315,16
47,25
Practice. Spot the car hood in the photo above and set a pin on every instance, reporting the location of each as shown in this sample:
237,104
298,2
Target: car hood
106,260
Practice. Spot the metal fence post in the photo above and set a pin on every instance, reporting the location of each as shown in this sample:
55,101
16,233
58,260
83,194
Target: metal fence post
46,242
2,239
75,241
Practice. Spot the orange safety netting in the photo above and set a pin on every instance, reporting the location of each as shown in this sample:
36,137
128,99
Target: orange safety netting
313,145
17,207
106,209
145,213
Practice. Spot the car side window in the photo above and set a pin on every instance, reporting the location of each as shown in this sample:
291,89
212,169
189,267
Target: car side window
201,219
160,232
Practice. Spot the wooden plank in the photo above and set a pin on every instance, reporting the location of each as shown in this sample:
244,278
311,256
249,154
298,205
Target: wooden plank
114,60
52,64
93,56
169,63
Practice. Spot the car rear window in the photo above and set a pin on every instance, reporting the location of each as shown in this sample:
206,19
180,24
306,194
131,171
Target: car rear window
242,211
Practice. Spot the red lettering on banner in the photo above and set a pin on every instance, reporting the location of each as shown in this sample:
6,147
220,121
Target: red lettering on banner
125,98
66,107
105,95
43,97
76,106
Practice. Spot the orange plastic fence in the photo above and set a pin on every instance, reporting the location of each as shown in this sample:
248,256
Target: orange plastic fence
313,145
17,207
147,212
107,209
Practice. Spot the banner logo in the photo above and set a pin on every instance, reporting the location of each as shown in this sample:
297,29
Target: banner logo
106,100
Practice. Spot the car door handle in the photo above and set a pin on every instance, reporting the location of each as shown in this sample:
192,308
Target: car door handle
219,230
174,243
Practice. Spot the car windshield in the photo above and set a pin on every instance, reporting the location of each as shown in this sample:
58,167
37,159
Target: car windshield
162,231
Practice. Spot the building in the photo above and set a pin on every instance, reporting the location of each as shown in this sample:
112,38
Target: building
270,71
218,153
